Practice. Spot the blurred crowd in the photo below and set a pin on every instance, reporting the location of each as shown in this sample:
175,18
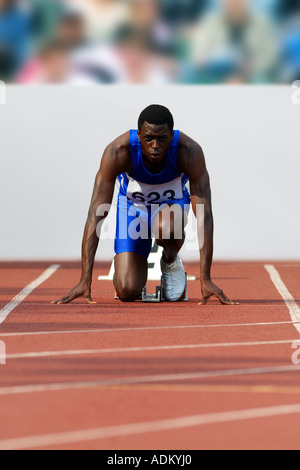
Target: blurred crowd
149,41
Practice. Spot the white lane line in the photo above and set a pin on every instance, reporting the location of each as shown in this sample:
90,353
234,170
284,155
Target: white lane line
83,352
150,379
109,432
146,328
285,294
5,311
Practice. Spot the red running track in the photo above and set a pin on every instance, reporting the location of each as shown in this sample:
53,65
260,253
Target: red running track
150,376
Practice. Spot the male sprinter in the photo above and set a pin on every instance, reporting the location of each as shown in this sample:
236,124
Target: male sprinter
153,166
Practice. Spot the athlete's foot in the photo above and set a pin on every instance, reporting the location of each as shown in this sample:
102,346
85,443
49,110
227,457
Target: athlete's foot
174,279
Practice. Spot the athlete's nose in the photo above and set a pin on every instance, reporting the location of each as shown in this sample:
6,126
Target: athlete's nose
155,145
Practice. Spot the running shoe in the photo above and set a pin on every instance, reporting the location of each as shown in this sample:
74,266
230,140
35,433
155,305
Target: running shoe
174,279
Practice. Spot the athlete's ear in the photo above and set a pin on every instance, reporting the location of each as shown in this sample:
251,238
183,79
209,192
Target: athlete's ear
139,135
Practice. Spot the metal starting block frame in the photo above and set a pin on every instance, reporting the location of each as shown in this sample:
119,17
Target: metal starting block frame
159,296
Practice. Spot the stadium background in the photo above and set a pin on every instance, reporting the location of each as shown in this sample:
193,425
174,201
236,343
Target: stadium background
78,73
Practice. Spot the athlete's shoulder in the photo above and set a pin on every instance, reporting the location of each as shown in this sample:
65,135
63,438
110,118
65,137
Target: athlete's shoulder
190,156
188,145
121,145
190,153
117,156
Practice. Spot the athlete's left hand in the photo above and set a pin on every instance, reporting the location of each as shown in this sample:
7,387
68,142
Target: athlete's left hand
209,289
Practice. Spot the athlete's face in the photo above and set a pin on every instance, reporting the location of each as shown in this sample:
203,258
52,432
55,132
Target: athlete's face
155,141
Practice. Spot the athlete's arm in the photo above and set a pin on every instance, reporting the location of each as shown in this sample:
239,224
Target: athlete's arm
192,162
115,160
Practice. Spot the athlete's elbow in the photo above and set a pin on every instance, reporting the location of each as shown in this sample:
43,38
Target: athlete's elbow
98,211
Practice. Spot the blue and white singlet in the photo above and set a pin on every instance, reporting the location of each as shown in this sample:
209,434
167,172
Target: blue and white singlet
141,186
142,194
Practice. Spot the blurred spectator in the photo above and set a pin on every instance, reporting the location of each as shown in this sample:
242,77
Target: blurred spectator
14,37
54,63
71,29
45,16
290,42
68,35
145,18
102,17
183,12
150,41
138,54
131,59
51,66
286,9
235,43
268,7
142,58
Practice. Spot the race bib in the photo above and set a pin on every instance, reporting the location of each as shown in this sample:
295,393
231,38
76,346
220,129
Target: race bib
147,194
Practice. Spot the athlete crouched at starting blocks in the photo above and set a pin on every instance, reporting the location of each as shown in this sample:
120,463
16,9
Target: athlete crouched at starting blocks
153,166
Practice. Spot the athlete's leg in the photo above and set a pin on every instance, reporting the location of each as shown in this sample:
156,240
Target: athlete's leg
130,277
168,227
131,265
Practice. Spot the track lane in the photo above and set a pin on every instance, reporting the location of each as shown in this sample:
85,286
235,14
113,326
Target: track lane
168,404
245,282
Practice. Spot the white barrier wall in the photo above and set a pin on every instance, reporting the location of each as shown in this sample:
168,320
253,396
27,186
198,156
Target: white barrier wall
52,139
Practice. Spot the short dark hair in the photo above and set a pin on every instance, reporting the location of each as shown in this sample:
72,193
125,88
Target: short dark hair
158,115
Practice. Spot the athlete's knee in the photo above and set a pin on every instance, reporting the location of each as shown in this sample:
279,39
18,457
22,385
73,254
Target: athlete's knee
129,295
127,292
170,237
171,245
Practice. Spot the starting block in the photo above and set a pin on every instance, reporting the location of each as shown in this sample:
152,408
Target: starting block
152,298
159,296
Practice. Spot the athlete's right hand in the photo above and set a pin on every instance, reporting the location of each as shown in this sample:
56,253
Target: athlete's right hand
82,290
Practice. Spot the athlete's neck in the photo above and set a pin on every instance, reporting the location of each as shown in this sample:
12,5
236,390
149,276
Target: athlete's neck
153,168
